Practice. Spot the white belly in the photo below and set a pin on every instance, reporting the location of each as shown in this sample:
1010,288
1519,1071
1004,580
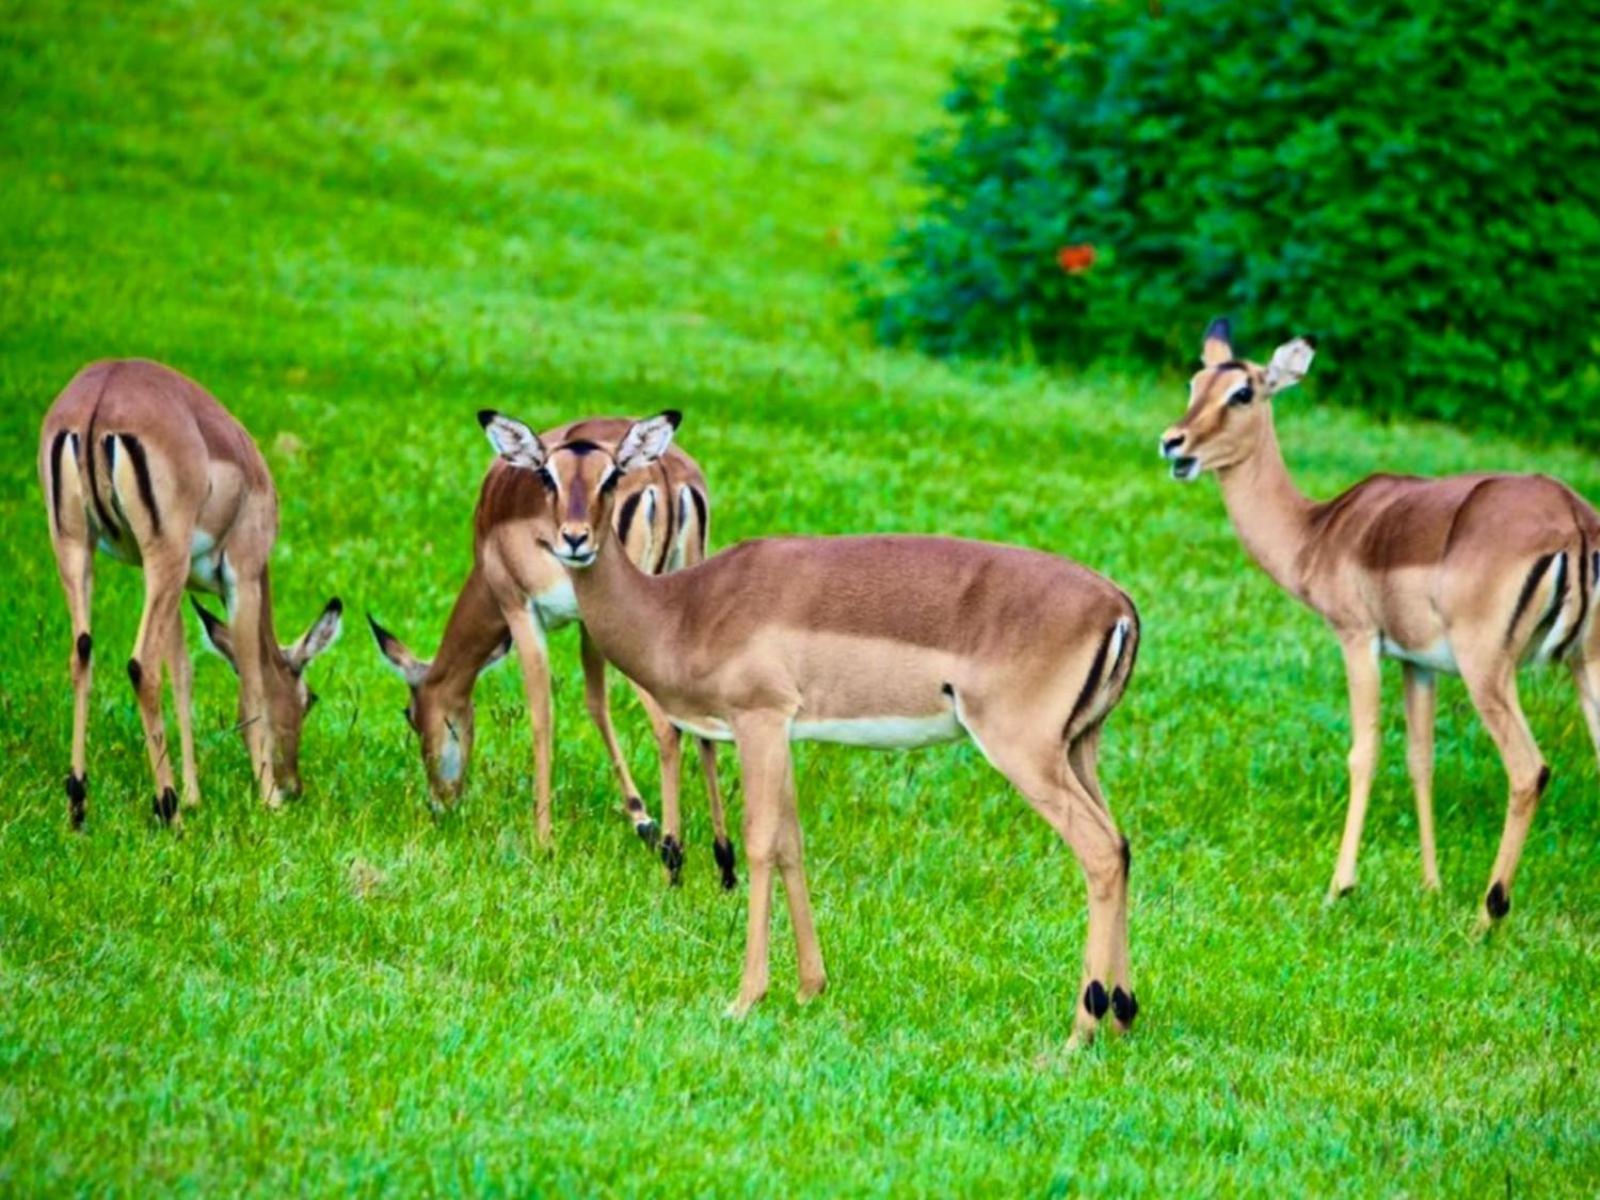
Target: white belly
709,728
1437,657
880,733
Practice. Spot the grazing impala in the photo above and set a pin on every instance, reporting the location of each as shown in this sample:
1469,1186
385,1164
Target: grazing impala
887,642
518,591
1471,575
145,463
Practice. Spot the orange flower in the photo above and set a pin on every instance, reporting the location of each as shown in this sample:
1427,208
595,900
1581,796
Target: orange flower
1075,260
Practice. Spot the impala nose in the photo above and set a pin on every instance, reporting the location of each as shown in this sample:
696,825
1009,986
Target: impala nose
1171,443
574,541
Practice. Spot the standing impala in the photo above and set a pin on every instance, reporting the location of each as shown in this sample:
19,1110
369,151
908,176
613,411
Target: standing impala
518,591
144,463
886,642
1471,574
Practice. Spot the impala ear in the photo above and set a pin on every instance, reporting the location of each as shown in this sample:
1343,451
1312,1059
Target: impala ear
647,441
411,668
217,633
1289,364
512,440
323,633
1218,345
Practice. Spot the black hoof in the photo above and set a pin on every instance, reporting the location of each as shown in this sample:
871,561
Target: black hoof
166,805
723,853
1497,902
1095,1000
1345,891
649,833
1124,1006
672,857
77,799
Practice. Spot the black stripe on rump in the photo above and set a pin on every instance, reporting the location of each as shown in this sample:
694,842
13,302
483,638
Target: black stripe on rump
1540,565
55,476
141,470
630,509
700,513
667,533
1560,651
1096,671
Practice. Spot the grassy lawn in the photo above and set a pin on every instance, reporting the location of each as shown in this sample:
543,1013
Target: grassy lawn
358,225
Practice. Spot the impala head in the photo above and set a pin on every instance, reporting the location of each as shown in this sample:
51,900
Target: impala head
581,477
288,697
1230,404
440,715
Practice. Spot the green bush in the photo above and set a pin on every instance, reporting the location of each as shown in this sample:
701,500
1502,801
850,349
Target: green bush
1418,185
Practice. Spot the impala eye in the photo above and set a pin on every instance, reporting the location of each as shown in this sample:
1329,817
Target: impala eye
1243,395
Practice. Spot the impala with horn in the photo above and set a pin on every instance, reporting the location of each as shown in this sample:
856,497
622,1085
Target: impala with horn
887,642
1469,575
518,591
145,464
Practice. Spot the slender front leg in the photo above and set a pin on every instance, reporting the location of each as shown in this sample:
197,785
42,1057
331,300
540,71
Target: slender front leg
1421,697
669,747
245,623
1361,673
763,743
791,865
528,638
181,671
597,700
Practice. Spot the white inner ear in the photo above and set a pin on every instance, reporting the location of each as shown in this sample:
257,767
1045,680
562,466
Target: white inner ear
644,443
1289,364
323,633
515,443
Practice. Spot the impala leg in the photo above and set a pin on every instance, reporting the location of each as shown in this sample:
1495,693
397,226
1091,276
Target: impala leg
245,624
764,761
75,563
791,866
669,746
181,670
1492,684
1361,674
1586,674
1421,700
597,699
1034,760
165,569
721,847
1082,759
528,638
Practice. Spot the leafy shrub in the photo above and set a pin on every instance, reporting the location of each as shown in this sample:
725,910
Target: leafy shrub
1416,184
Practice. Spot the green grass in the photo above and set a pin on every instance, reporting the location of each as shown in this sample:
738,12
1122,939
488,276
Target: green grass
359,225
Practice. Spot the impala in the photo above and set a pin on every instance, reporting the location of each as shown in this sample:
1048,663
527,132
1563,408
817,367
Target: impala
518,591
144,463
1470,575
886,642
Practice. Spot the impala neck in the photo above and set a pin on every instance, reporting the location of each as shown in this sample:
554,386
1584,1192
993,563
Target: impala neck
475,630
276,666
1272,518
623,610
